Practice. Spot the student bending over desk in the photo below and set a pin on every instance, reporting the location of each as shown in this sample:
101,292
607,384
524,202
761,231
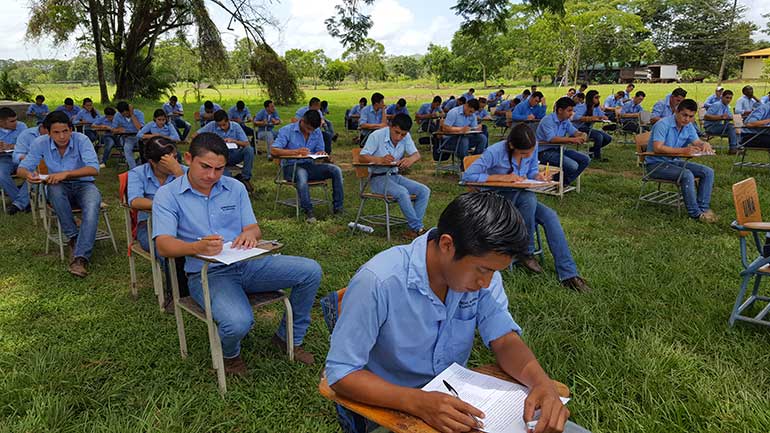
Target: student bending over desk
556,130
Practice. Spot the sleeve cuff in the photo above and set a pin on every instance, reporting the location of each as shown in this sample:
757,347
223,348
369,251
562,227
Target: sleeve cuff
498,325
337,372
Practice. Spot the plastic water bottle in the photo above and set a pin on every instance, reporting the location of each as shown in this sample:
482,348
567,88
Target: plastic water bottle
361,227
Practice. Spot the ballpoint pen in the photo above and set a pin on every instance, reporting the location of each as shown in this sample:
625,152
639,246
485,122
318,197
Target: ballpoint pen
457,396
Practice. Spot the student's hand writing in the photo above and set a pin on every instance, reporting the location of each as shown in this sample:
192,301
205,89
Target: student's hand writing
33,177
541,176
55,178
209,245
119,129
446,413
465,129
303,151
387,159
531,117
405,163
245,240
553,414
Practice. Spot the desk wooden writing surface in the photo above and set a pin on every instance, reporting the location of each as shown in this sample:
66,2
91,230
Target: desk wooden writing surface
517,185
399,422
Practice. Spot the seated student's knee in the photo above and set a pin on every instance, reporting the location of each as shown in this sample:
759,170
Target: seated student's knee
422,190
235,324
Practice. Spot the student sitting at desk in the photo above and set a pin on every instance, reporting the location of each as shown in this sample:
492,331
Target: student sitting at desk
398,108
175,112
628,93
470,94
265,121
69,108
85,118
746,103
315,105
677,135
765,99
515,160
752,135
240,114
206,112
667,106
713,99
387,342
630,113
128,120
355,113
503,112
718,121
395,145
105,124
583,119
159,127
10,130
428,114
612,103
495,98
372,117
529,109
181,229
239,149
554,131
481,115
462,120
301,139
39,109
72,165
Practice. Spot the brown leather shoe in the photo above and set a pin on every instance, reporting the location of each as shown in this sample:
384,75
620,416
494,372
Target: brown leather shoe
531,263
410,235
78,267
72,242
300,354
235,366
577,284
732,152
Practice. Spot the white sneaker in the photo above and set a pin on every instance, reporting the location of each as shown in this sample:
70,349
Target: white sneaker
102,165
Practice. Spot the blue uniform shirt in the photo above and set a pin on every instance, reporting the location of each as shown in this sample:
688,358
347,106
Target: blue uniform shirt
85,116
493,99
356,110
169,109
39,111
551,127
369,116
665,130
745,104
393,325
142,183
302,110
523,110
662,108
393,110
611,102
482,114
457,117
263,116
426,109
631,108
202,110
234,113
495,160
711,100
468,96
152,128
717,109
24,142
78,154
448,104
504,106
290,137
379,144
235,131
580,111
765,99
103,120
761,113
120,121
180,211
70,113
9,136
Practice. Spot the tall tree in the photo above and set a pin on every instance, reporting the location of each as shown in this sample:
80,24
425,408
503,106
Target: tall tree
366,61
306,64
437,62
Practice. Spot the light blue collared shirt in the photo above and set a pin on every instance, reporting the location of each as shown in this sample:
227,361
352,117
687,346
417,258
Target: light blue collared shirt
482,114
580,111
760,113
457,117
495,160
765,99
356,109
234,113
169,109
449,104
662,108
379,144
39,111
202,110
120,121
264,116
468,96
393,325
426,109
9,136
152,128
234,131
393,110
631,108
142,183
302,110
523,110
78,154
551,127
70,113
290,137
504,106
711,100
24,142
745,104
371,117
611,102
665,130
180,211
85,116
717,109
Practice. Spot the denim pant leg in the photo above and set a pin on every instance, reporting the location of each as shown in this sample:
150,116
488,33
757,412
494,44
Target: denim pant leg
128,150
327,142
422,193
59,196
460,144
329,127
109,142
400,188
182,127
722,130
705,175
88,198
526,203
245,155
300,182
301,275
557,242
574,162
230,306
328,171
478,142
672,171
16,194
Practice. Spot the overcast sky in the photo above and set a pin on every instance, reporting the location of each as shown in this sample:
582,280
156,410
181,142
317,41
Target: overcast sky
402,26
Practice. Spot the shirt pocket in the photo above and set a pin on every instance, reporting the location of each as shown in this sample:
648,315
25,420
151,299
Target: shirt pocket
460,342
228,210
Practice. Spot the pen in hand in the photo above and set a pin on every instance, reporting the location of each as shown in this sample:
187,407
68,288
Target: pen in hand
451,389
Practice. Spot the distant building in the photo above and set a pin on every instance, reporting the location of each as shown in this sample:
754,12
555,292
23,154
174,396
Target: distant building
753,63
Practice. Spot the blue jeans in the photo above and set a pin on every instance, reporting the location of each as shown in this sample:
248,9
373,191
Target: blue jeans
329,127
109,142
461,144
182,127
526,203
230,306
327,141
574,162
19,195
724,130
695,202
82,195
310,172
245,155
600,139
91,134
557,242
129,142
401,187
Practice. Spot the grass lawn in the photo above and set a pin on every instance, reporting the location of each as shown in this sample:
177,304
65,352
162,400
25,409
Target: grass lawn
649,350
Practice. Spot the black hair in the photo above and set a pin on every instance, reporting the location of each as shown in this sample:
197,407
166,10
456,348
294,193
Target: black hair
482,100
471,90
377,97
312,118
69,101
324,105
679,92
521,137
533,87
159,113
461,100
641,93
401,102
501,91
109,111
746,88
620,93
451,97
220,115
122,106
208,105
580,95
7,113
240,105
40,97
267,103
687,104
313,100
437,99
92,110
590,96
403,121
474,103
727,92
157,147
631,85
537,94
526,92
173,98
208,142
364,100
516,101
583,86
572,89
563,102
481,223
56,117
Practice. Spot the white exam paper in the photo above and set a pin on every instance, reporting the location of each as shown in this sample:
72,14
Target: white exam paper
231,145
230,255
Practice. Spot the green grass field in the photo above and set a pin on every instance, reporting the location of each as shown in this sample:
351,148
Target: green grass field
649,350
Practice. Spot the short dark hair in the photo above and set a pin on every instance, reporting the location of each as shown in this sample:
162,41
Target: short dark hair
727,92
312,118
471,90
159,113
687,104
572,89
157,147
679,92
324,105
640,93
220,115
526,92
267,103
56,117
208,105
501,91
537,94
437,99
364,100
377,97
109,111
208,142
173,98
7,113
481,223
482,100
69,101
313,100
631,85
403,121
240,105
122,106
474,103
461,100
563,102
39,98
620,93
401,102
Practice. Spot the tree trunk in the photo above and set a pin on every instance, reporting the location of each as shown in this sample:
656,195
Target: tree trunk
484,74
96,34
727,43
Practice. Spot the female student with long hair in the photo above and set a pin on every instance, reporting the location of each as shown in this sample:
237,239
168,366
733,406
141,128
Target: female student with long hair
585,115
85,117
